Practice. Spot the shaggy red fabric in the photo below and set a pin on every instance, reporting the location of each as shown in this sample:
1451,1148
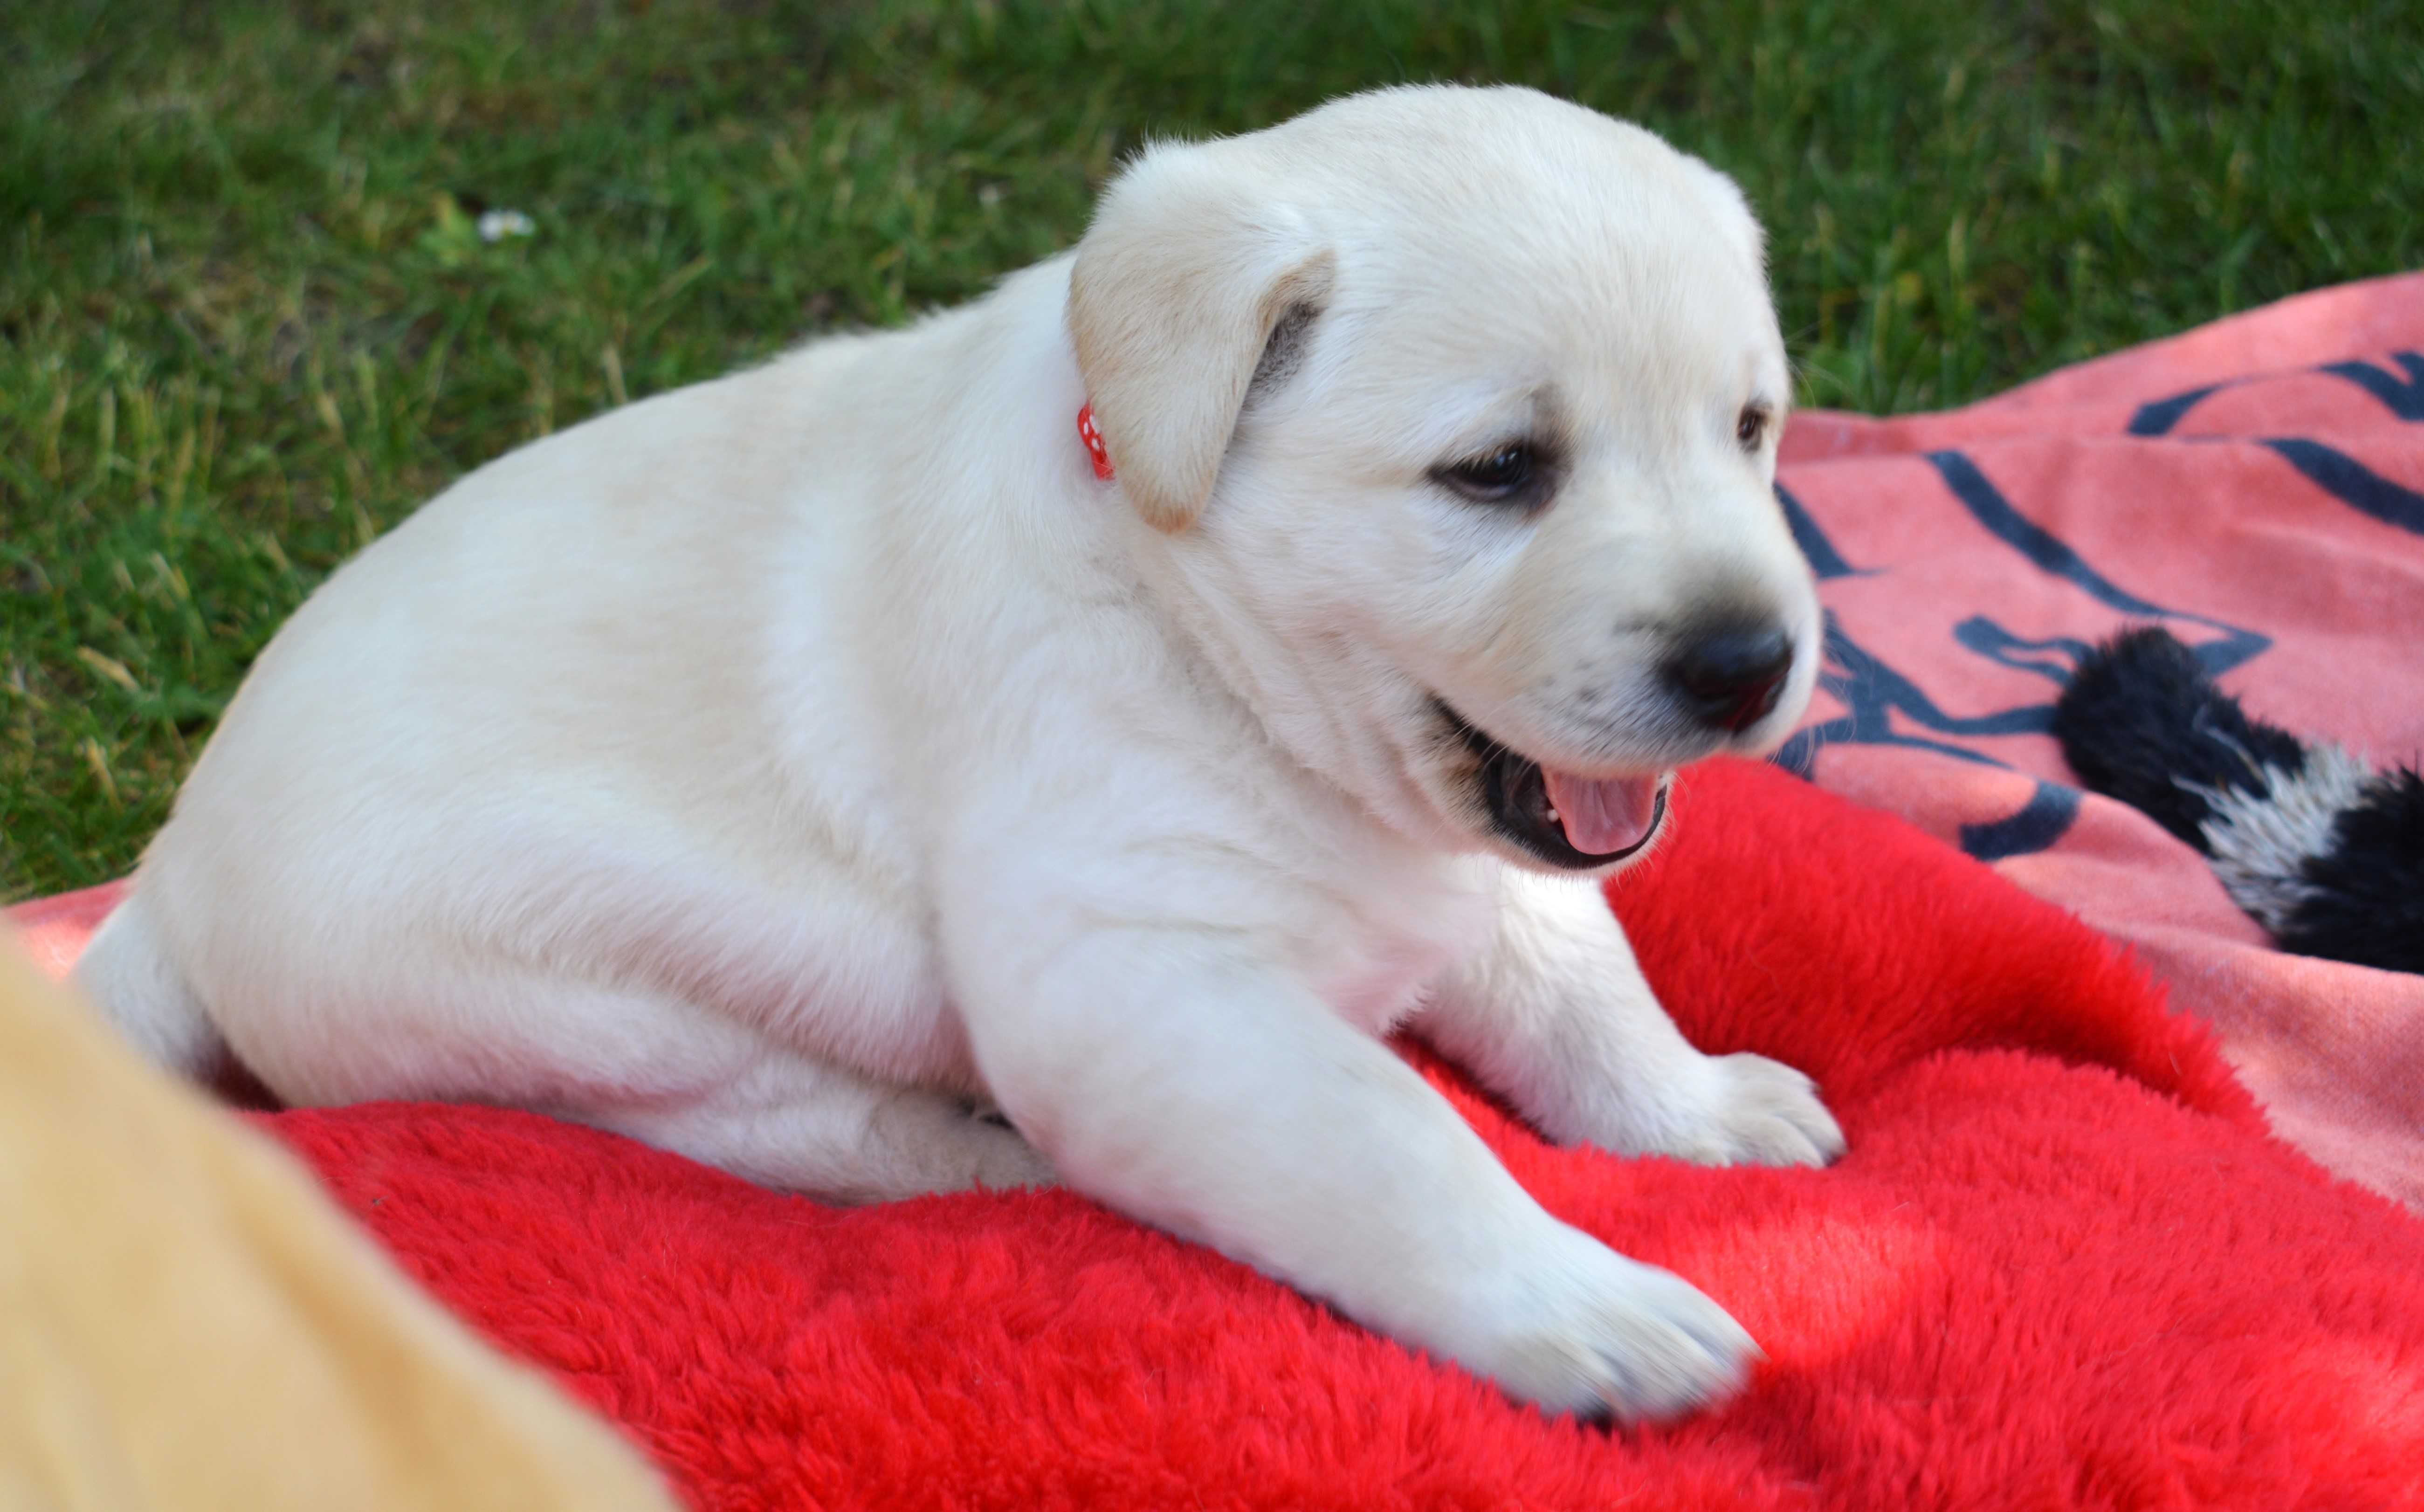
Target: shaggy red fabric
2063,1265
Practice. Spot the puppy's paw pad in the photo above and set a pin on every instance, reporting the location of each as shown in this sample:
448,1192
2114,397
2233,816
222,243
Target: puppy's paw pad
932,1144
1009,1162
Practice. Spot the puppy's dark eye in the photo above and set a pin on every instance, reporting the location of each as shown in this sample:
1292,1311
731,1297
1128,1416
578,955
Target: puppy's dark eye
1751,427
1504,474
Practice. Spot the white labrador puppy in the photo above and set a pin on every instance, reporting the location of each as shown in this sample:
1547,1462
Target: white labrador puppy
788,770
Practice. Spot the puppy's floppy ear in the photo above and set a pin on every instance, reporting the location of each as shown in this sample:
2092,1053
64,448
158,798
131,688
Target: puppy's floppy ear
1191,265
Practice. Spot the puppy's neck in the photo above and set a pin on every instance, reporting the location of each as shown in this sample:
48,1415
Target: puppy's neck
1336,710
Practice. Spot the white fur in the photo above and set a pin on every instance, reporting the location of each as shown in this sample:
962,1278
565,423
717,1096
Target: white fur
2260,842
787,769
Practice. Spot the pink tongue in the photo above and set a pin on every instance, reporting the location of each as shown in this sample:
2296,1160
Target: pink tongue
1602,817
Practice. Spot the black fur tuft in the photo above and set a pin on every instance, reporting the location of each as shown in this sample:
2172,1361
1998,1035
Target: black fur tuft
2367,905
2141,718
2325,853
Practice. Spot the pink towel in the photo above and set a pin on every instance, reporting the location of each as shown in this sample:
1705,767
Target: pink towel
2256,487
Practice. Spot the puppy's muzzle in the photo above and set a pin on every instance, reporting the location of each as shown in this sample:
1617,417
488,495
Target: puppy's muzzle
1729,678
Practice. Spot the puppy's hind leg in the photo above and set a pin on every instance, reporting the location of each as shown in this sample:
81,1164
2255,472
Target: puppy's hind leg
806,1126
643,1063
131,972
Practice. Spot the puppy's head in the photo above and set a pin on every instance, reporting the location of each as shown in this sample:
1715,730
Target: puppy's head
1456,411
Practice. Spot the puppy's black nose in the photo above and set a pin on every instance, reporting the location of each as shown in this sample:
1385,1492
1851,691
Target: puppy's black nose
1729,679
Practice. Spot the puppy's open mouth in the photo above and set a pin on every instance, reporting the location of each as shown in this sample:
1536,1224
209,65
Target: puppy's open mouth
1571,822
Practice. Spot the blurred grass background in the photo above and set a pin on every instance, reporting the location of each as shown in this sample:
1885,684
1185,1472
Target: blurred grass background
247,321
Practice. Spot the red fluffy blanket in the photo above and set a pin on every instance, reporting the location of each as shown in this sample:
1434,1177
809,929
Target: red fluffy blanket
2063,1265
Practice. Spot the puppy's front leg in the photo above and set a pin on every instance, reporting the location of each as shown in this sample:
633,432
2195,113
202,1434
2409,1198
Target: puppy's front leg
1555,1016
1172,1074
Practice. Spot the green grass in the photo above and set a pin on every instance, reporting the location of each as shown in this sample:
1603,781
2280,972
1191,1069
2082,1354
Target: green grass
245,324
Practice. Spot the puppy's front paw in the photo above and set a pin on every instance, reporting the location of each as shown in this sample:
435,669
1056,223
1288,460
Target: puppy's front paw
1600,1336
1761,1112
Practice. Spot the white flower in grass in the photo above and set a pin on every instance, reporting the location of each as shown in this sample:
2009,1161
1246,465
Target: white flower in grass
496,225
